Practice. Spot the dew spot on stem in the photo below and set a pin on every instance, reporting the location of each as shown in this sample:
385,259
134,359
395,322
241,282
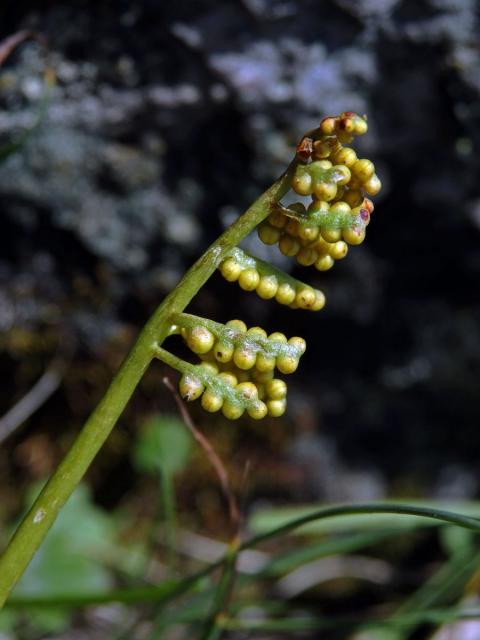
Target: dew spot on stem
39,516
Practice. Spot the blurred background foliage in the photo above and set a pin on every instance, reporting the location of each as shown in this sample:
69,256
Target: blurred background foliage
165,122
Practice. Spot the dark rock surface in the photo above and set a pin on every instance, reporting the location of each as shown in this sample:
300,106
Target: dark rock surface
167,120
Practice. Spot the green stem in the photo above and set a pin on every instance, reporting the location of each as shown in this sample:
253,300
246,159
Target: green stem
173,361
169,514
34,527
166,592
448,517
214,626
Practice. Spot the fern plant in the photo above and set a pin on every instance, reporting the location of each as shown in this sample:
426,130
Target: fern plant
236,367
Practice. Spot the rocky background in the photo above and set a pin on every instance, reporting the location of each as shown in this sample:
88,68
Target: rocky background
166,121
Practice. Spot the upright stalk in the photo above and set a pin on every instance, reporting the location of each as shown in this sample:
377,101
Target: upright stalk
35,525
169,519
214,625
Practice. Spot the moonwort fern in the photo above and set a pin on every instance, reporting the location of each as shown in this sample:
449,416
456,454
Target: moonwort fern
236,367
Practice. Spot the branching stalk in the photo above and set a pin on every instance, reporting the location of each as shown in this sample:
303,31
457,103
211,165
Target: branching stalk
35,525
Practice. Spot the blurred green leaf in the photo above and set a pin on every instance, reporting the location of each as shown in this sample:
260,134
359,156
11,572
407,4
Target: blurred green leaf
48,620
445,586
374,628
332,546
455,540
164,445
7,621
68,561
163,593
192,609
266,519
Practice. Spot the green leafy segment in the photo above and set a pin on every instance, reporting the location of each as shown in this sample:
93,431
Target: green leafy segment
320,217
270,282
267,346
237,372
218,391
317,234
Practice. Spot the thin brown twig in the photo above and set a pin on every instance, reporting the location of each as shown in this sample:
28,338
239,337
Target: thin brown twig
213,628
8,45
212,455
